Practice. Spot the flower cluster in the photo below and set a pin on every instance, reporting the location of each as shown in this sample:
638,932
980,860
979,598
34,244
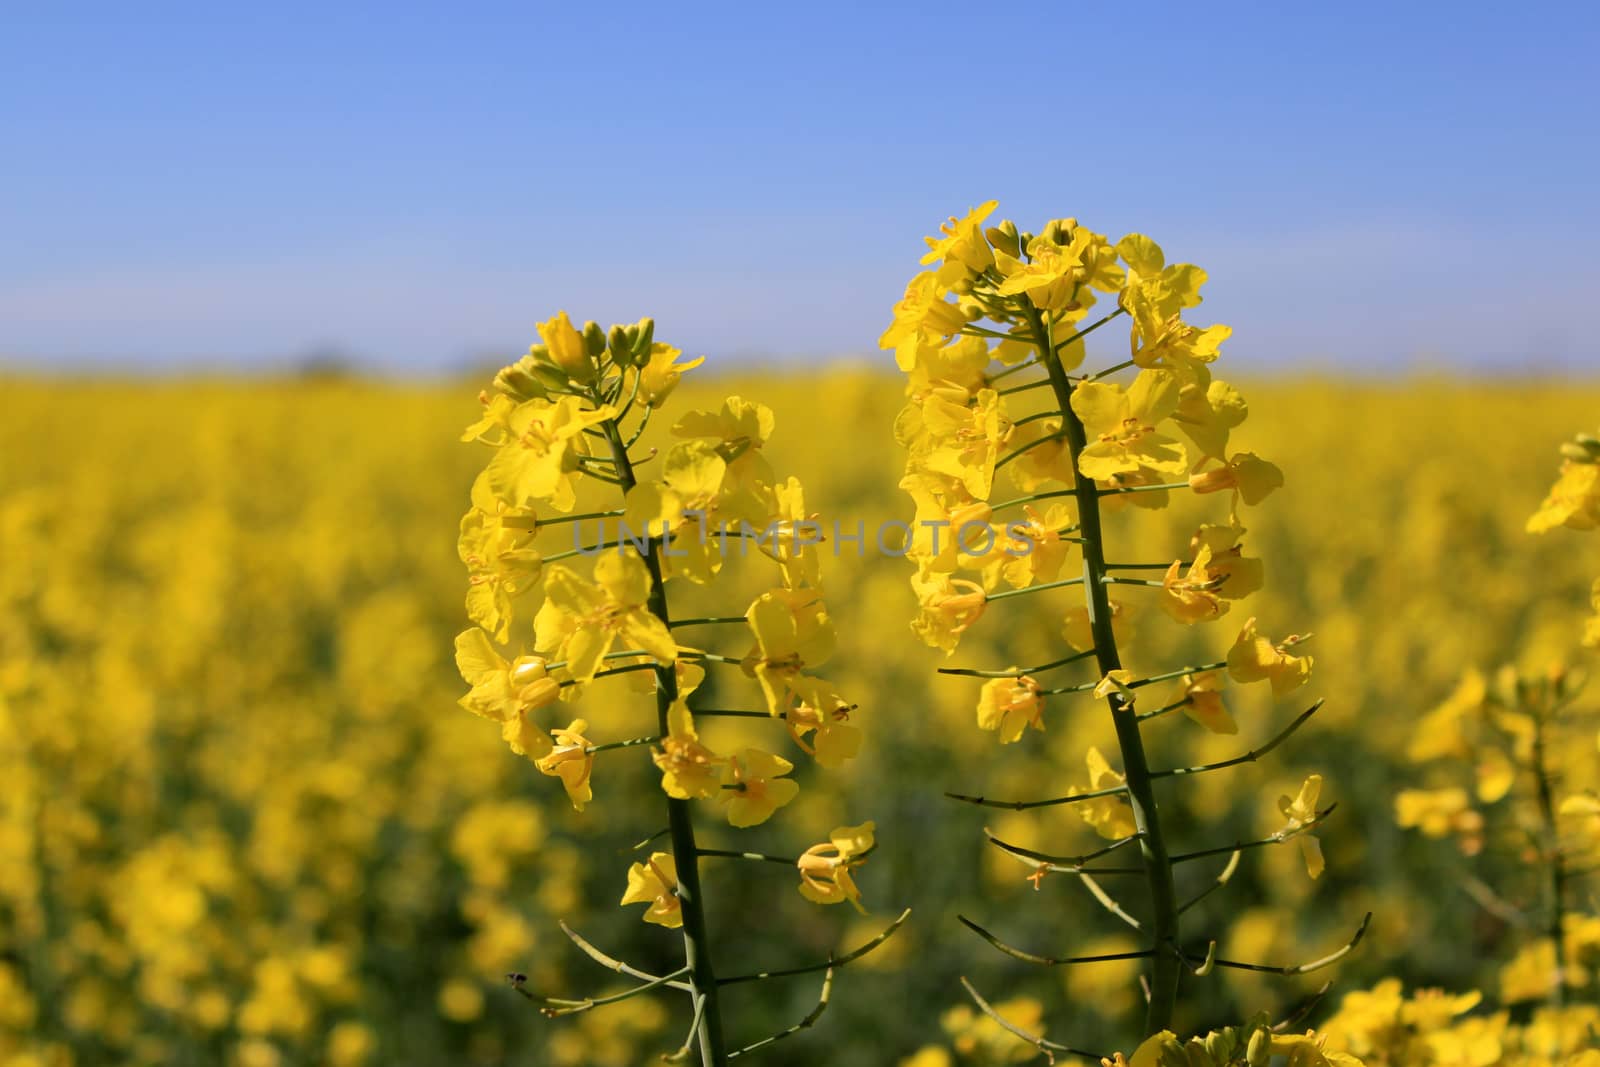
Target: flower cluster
1574,502
565,422
992,304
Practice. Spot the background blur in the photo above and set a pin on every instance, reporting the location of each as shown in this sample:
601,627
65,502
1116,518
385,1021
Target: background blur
251,258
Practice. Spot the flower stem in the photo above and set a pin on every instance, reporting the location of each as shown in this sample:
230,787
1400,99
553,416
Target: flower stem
685,852
1557,873
1166,967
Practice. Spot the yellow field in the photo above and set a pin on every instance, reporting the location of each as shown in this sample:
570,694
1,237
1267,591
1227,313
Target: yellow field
242,819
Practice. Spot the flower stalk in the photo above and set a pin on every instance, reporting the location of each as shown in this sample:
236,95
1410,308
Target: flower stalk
702,973
1166,968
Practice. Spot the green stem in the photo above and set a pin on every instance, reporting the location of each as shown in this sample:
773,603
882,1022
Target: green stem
1165,965
1557,873
685,852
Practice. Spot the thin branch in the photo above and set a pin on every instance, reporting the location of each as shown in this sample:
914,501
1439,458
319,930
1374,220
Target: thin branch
1107,902
694,1028
1049,961
1221,880
1288,833
611,962
1305,968
556,1006
733,854
1302,1012
804,1024
632,742
1048,1048
1024,805
1023,591
849,957
1064,864
1017,672
1163,487
1248,757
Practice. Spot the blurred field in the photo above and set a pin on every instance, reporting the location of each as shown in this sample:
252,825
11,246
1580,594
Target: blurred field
242,819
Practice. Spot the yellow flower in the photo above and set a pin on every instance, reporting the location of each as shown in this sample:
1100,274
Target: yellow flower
579,621
661,371
962,364
1202,697
1246,473
1115,682
565,343
962,250
739,428
572,762
1059,277
1207,412
1591,627
1155,296
1300,811
1439,813
688,768
1010,705
496,544
962,441
1121,427
753,786
792,631
1194,597
1574,499
1239,576
1042,454
493,426
1253,658
946,608
923,314
539,459
1110,816
819,722
1031,551
825,876
655,882
688,503
506,692
941,517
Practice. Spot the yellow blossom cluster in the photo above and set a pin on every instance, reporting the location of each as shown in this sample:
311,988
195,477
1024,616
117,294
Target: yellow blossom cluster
979,314
1574,502
555,420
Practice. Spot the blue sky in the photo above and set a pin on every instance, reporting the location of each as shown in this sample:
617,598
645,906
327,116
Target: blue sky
1374,187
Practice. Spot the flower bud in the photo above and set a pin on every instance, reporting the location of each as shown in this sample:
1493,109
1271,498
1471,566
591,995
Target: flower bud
646,338
1172,1054
1004,238
594,339
621,350
1220,1045
551,376
567,347
517,381
1259,1052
